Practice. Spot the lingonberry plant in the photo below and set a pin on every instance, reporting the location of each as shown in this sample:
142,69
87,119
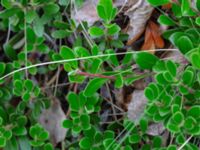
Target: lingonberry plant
44,45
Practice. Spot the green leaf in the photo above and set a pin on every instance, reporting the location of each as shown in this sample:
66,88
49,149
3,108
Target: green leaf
85,122
143,125
194,111
96,32
197,21
93,86
12,144
149,93
30,16
178,117
68,53
73,99
157,142
2,68
158,2
105,10
119,81
127,58
145,60
117,44
166,20
28,85
38,27
67,123
188,77
185,7
184,44
48,146
172,147
26,96
195,60
10,52
173,128
2,142
51,8
134,138
6,3
113,58
60,34
64,2
161,79
95,65
101,12
44,135
113,29
9,12
85,143
198,4
171,67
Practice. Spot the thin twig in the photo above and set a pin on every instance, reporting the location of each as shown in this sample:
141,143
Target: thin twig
94,75
25,44
76,59
185,143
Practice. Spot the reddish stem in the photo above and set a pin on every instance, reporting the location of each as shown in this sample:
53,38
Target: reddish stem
95,75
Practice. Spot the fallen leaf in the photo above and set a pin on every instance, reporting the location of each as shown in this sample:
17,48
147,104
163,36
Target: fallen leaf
149,41
138,13
123,97
155,129
155,31
153,37
51,119
87,12
137,105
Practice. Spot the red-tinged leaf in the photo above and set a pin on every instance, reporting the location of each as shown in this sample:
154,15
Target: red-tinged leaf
149,41
159,42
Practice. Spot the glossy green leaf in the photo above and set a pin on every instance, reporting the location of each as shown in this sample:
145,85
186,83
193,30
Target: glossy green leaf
51,8
2,142
171,67
68,53
93,86
187,46
48,146
113,29
145,60
60,34
188,77
178,117
67,124
2,68
119,81
185,7
85,143
96,31
30,16
166,20
134,138
158,2
6,3
10,52
73,99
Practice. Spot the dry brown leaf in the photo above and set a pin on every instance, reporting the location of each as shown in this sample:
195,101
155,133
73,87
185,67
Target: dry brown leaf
123,97
51,119
137,105
155,31
139,13
149,41
153,37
